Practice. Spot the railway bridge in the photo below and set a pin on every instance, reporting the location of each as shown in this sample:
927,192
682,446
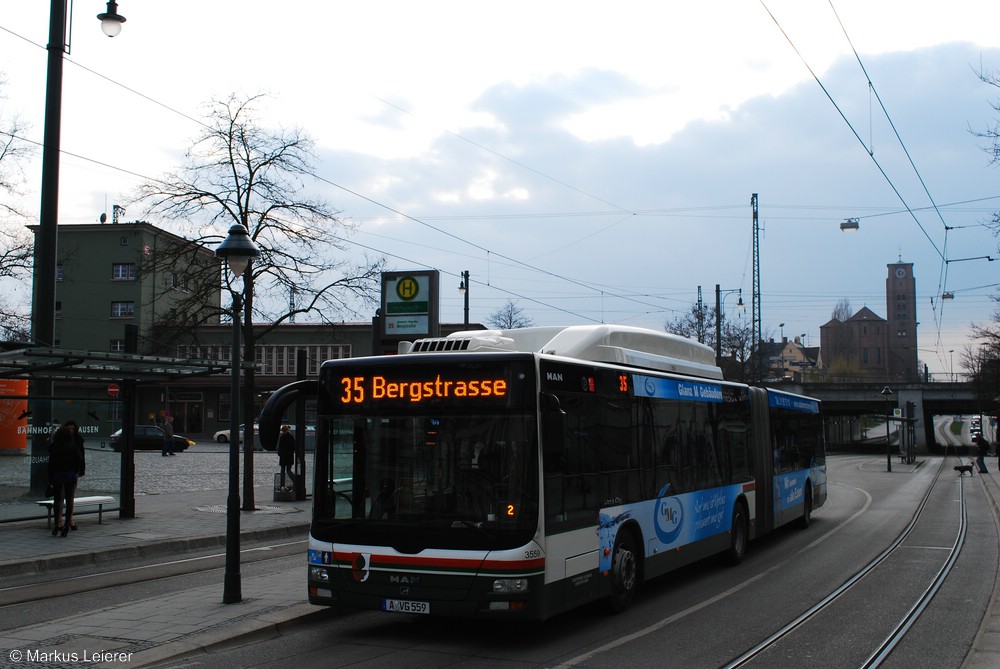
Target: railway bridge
856,412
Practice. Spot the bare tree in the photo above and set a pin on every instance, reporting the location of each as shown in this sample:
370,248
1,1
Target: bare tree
698,323
842,310
508,317
16,245
16,261
240,172
982,361
738,361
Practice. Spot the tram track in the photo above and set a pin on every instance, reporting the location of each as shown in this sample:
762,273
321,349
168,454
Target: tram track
899,631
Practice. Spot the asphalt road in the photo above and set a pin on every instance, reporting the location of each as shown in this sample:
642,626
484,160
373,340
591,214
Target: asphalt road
705,615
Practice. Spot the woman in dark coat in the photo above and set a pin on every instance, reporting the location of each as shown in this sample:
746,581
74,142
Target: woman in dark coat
78,438
65,464
286,452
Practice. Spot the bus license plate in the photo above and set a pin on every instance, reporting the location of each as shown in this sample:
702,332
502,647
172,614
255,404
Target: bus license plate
405,606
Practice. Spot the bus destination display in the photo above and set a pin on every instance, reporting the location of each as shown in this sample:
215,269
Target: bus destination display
361,389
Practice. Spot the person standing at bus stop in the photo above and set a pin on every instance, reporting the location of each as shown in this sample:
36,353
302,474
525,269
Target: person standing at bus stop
64,467
168,437
286,453
78,440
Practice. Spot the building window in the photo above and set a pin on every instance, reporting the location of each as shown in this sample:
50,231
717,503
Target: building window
123,271
117,345
224,407
122,309
59,272
58,309
123,241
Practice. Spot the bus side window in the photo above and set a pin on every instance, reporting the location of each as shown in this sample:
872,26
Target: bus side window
553,434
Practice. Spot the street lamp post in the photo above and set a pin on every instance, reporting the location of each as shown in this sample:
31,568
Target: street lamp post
720,298
43,301
887,394
463,288
238,250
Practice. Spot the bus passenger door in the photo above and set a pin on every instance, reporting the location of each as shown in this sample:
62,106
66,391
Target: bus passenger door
763,461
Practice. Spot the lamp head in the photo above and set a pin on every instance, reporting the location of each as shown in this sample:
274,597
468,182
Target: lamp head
111,20
237,249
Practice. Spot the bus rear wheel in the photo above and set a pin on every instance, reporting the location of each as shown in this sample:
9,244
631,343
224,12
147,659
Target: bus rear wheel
624,572
807,505
739,536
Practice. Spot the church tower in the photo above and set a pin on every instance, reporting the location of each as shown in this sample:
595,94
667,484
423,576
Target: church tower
901,314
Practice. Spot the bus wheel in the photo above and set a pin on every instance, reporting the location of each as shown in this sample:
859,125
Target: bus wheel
739,536
624,572
807,508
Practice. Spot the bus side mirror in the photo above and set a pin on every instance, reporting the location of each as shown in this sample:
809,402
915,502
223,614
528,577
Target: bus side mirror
553,432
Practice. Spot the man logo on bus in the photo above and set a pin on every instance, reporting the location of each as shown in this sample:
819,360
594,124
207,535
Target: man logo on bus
360,567
668,517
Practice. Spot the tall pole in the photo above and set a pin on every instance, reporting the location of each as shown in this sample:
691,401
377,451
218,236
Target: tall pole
43,301
757,335
465,282
238,250
887,393
231,587
718,326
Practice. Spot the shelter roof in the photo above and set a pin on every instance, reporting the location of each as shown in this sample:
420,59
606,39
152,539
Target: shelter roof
57,364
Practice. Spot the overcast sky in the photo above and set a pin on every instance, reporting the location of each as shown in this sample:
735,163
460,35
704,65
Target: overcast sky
592,162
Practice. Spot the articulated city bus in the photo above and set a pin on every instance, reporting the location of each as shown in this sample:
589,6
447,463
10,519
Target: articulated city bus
516,474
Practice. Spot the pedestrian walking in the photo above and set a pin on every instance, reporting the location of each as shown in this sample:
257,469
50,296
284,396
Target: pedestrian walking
983,451
78,440
64,470
168,437
286,452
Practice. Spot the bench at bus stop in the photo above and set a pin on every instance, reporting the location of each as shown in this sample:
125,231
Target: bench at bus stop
80,502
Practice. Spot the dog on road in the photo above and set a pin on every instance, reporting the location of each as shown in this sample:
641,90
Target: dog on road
962,469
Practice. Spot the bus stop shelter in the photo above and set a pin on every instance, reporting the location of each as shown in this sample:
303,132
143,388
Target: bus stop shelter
83,376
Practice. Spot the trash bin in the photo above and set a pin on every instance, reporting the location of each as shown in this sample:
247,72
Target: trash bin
286,493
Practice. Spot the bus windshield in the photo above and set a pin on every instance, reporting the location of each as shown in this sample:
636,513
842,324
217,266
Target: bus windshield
443,480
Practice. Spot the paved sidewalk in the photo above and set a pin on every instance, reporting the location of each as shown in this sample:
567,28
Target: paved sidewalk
138,633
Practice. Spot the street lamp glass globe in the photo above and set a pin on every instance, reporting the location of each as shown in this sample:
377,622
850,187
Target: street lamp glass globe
111,20
237,249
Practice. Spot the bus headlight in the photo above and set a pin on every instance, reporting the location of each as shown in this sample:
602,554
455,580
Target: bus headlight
508,585
318,574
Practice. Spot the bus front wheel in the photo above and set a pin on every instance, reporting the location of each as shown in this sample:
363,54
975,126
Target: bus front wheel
624,572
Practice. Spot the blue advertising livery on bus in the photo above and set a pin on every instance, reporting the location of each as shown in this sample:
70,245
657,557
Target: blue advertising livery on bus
516,474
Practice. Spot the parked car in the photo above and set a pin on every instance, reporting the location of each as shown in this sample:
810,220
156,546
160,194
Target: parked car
222,436
150,438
